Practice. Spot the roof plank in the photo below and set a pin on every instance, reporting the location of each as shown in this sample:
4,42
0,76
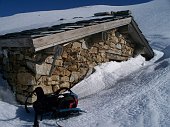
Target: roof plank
20,42
138,37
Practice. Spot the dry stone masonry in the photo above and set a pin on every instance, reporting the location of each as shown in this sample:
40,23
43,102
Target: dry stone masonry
25,69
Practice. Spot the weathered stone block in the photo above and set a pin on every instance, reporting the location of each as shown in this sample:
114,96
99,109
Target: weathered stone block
82,65
49,83
113,33
72,68
115,39
90,71
59,63
61,71
49,79
112,45
114,51
122,41
55,77
105,59
91,64
58,71
65,79
73,56
83,72
47,89
96,44
43,69
103,54
55,88
43,78
102,51
130,52
25,79
84,45
101,43
66,72
76,45
83,59
117,34
116,57
54,83
74,76
71,79
64,55
99,58
93,50
119,46
65,84
106,47
22,97
66,64
83,52
49,60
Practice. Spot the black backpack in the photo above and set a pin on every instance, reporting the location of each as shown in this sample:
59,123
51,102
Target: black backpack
58,104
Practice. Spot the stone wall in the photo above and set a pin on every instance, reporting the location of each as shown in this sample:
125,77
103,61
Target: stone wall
26,70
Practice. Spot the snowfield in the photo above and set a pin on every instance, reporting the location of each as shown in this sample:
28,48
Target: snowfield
135,93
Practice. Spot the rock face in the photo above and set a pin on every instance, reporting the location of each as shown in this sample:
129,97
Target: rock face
25,70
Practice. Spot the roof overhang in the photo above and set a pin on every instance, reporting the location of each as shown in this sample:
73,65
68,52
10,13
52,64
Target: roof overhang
60,38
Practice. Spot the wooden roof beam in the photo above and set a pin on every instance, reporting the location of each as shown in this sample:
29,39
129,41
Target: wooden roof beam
136,34
19,42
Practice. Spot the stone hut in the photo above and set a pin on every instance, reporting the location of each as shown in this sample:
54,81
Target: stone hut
62,55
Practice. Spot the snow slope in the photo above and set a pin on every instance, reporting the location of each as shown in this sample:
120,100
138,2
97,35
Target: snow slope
135,93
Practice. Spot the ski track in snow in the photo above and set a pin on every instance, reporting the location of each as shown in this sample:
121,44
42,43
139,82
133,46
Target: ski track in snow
135,93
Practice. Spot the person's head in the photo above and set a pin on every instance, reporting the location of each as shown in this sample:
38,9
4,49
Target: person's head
39,92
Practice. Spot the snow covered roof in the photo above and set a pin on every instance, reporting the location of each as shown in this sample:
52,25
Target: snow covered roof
47,37
64,25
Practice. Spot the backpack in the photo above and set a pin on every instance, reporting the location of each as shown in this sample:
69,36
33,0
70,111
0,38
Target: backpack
58,104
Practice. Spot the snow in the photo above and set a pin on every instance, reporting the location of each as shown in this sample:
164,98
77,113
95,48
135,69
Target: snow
107,74
134,93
